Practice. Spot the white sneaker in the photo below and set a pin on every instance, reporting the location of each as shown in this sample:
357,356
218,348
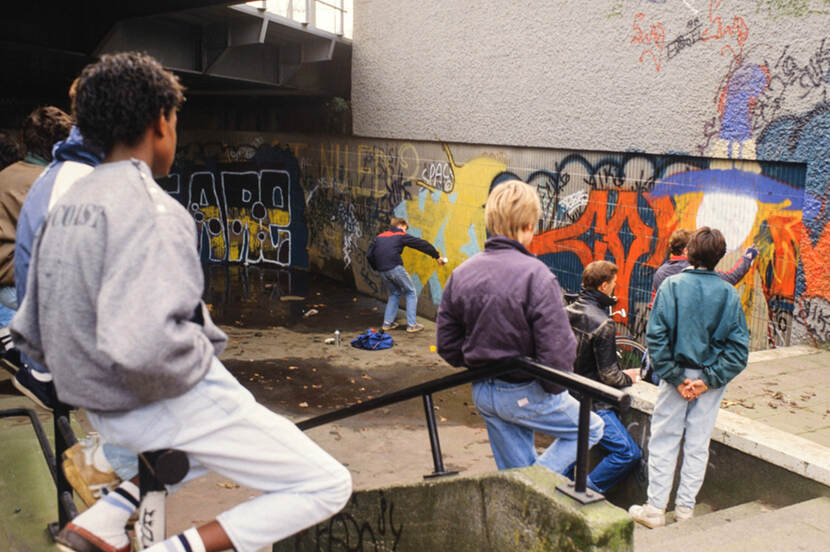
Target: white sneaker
648,515
682,513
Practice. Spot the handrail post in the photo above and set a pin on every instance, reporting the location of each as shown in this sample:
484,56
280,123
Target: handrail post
581,478
435,445
60,417
578,489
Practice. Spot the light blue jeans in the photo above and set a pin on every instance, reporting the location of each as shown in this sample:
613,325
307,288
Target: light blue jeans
674,415
514,411
399,283
222,428
8,297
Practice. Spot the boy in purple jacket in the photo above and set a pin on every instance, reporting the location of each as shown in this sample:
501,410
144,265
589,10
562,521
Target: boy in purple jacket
504,303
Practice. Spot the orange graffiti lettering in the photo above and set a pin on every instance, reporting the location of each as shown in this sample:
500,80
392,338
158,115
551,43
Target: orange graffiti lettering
655,36
608,242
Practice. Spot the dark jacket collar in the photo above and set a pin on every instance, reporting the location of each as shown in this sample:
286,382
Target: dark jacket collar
597,297
503,242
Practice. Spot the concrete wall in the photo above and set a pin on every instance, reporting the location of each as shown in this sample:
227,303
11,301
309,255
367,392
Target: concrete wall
317,202
655,75
503,511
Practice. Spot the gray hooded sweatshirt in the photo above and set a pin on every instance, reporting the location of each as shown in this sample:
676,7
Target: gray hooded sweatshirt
113,305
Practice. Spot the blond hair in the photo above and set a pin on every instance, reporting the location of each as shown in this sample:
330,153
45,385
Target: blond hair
512,206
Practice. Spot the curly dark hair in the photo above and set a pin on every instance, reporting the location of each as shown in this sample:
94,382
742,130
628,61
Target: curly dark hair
42,128
118,98
9,152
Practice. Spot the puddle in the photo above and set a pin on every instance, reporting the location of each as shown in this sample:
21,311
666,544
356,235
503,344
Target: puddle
261,297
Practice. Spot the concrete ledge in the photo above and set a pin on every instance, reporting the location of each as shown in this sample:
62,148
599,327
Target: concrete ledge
509,510
782,353
777,447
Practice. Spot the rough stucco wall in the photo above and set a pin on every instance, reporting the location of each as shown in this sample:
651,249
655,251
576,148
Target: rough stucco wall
582,75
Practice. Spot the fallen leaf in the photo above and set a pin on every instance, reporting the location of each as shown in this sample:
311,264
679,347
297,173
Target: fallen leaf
303,404
443,419
292,367
228,485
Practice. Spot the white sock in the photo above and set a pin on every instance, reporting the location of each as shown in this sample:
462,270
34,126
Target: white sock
5,339
107,517
189,541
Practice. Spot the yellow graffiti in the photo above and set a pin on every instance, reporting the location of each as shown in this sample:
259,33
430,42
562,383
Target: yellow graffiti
255,234
452,215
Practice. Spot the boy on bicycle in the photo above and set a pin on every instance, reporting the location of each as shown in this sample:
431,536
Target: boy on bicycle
114,309
596,358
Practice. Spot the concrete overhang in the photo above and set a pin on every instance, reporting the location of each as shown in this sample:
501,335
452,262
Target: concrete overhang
217,48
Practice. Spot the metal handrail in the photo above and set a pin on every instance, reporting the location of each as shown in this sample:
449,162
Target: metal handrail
64,438
587,388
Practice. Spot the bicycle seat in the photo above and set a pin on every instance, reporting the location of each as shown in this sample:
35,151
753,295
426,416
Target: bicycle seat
168,466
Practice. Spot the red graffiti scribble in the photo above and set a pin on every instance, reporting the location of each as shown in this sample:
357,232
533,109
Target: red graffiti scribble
607,236
656,35
716,30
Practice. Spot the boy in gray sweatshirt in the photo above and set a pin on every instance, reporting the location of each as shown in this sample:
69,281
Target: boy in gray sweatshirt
114,309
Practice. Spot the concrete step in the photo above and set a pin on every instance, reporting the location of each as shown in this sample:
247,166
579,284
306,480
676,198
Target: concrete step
646,539
804,527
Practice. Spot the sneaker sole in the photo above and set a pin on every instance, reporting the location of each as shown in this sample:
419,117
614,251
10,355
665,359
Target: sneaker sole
25,390
408,330
9,367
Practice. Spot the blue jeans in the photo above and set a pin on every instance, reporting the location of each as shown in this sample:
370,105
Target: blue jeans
8,297
623,454
6,315
514,411
399,283
673,416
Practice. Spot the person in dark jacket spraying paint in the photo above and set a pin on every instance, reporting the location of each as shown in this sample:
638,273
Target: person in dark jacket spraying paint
504,303
384,255
677,262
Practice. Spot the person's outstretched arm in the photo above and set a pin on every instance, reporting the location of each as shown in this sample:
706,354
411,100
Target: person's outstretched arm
421,245
741,267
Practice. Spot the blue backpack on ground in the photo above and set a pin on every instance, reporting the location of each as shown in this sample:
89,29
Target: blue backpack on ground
372,340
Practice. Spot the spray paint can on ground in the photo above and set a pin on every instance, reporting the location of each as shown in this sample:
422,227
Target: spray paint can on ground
337,337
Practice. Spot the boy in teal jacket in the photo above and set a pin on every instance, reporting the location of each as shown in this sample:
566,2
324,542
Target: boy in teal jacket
698,341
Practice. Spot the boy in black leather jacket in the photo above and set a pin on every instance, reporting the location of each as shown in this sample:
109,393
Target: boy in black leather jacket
596,358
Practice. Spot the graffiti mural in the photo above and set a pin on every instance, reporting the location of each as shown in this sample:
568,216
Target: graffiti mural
624,208
245,212
321,203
